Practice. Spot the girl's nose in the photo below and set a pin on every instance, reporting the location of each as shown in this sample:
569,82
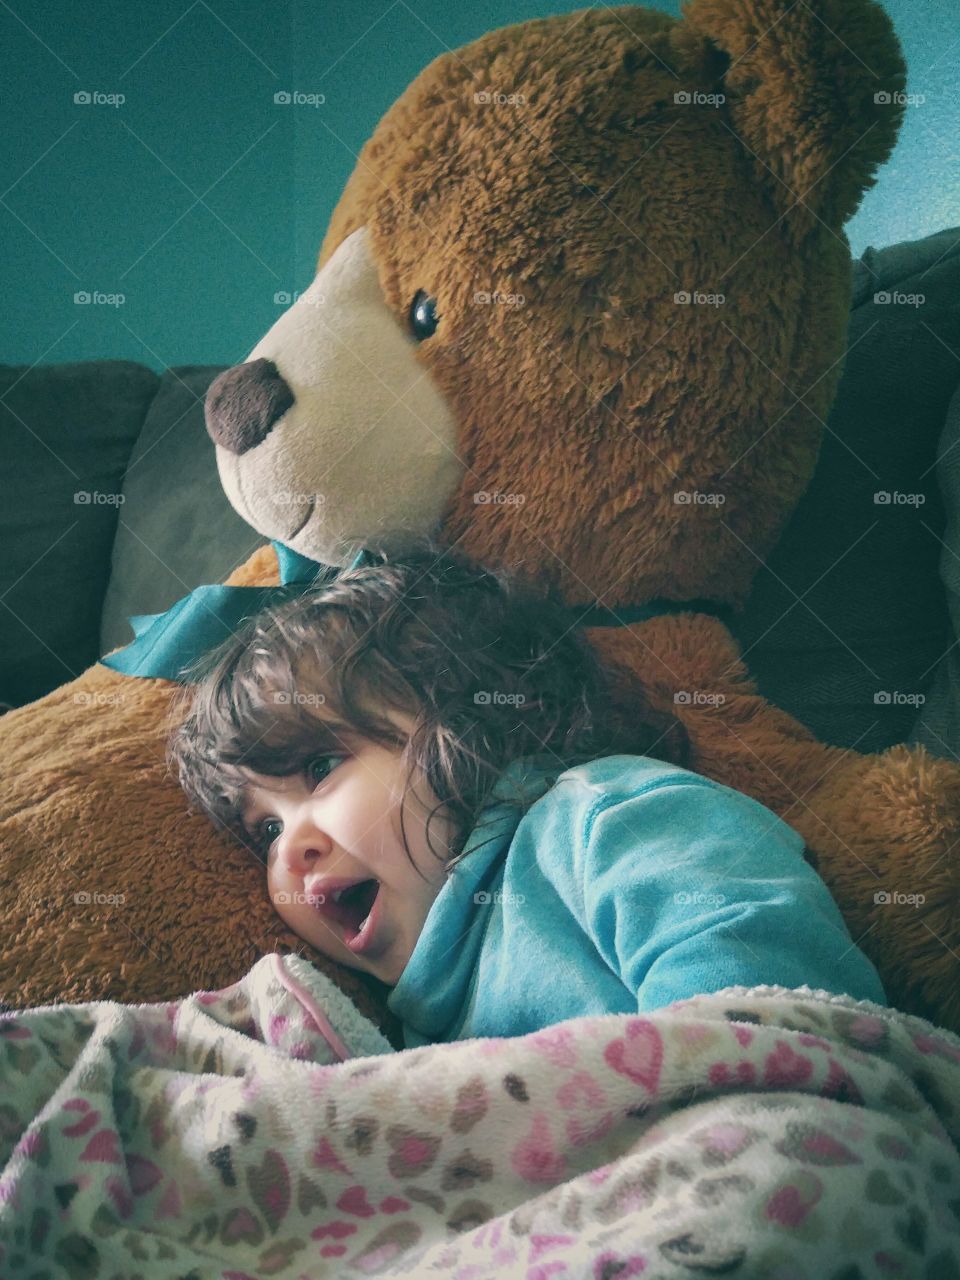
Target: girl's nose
302,846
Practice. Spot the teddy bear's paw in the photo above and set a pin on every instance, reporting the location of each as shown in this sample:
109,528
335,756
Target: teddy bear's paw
887,834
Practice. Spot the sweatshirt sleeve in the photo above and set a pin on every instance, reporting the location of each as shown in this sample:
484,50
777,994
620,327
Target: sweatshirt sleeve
690,886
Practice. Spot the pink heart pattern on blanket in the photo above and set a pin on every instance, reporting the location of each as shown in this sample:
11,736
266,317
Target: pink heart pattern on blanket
638,1054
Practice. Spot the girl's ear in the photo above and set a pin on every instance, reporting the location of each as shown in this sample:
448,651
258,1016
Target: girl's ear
814,91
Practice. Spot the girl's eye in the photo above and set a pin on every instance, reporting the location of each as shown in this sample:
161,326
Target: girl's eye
266,838
320,760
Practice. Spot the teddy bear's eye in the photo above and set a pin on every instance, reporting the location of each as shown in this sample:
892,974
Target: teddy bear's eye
424,317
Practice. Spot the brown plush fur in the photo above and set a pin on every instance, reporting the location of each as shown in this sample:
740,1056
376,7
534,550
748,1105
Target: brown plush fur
599,399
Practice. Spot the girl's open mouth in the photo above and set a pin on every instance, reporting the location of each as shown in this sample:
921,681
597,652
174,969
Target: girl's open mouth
356,911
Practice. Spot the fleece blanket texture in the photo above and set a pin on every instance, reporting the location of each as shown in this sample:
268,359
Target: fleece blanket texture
269,1130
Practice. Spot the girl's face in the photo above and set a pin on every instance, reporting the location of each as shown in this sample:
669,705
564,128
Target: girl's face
339,822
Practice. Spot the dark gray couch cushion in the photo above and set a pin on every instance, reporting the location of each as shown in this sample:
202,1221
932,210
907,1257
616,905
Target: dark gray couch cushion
177,530
873,621
65,431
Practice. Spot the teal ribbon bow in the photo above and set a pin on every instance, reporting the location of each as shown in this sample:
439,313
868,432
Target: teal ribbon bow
168,644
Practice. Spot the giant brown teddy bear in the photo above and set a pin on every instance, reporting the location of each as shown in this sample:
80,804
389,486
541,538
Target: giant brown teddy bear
496,348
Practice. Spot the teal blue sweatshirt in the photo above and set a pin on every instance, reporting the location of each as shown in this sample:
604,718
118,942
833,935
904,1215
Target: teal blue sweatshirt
628,884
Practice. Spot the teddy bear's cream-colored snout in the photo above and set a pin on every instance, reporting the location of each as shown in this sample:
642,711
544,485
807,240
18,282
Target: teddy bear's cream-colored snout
332,436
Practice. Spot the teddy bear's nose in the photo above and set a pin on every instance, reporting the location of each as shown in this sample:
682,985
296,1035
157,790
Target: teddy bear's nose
244,402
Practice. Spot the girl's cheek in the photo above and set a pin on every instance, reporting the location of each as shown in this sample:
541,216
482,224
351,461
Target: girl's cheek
274,887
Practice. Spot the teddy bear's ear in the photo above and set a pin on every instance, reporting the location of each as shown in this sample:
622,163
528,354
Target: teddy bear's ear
814,90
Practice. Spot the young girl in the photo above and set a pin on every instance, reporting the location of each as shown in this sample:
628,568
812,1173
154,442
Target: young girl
432,765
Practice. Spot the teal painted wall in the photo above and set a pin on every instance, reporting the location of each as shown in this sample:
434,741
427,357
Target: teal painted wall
200,199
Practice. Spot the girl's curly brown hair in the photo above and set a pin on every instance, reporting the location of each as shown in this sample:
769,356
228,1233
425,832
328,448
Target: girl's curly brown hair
491,667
